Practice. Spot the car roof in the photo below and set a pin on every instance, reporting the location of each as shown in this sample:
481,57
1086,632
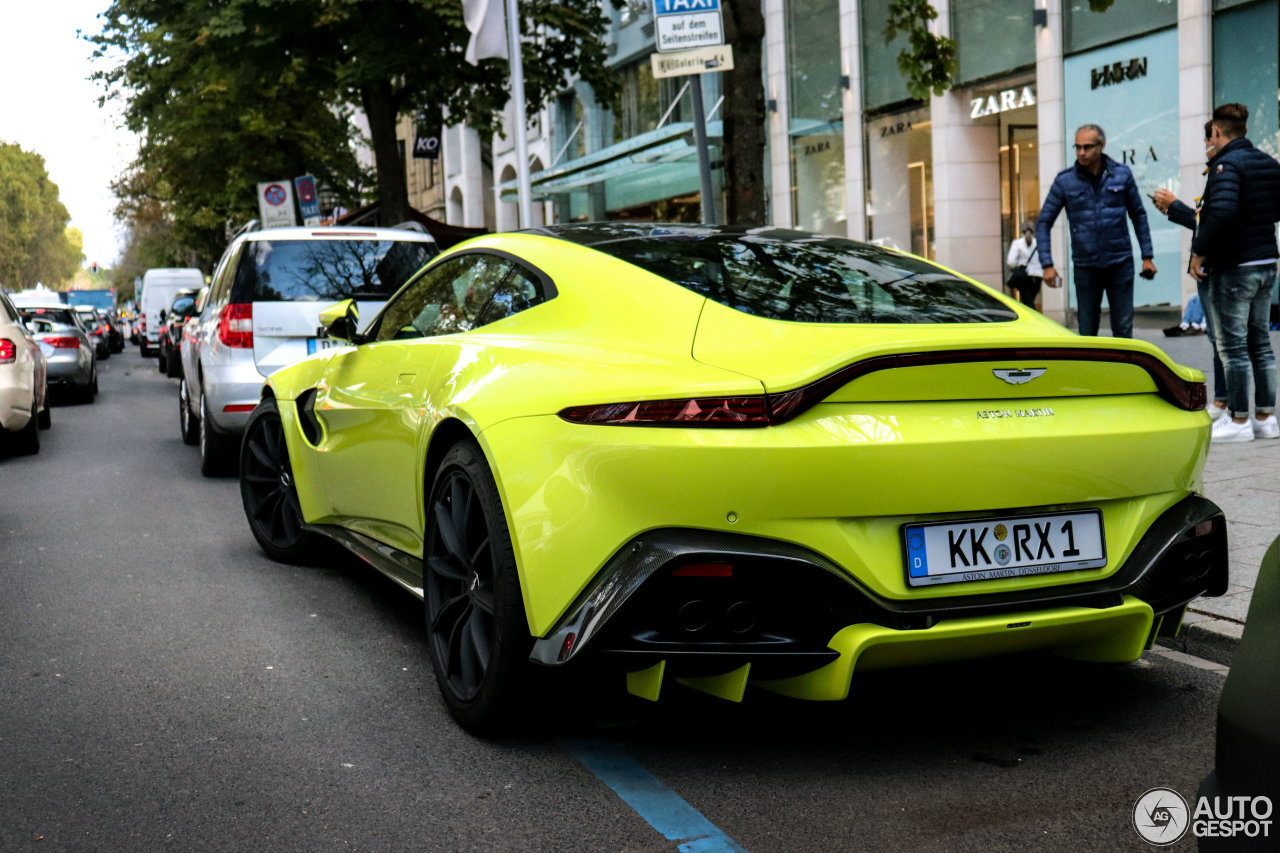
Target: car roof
43,305
594,233
327,232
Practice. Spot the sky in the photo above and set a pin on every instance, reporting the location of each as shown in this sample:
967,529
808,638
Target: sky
49,106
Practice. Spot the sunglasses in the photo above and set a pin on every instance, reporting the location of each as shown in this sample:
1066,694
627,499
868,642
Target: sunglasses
1086,147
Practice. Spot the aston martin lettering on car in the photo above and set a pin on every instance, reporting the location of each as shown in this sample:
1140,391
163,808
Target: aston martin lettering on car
735,458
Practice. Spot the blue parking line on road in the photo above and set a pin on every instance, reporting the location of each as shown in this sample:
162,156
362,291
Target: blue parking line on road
664,809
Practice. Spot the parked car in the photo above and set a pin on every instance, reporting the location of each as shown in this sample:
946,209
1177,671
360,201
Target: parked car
69,351
175,317
159,286
263,312
24,389
96,327
1247,749
735,457
105,302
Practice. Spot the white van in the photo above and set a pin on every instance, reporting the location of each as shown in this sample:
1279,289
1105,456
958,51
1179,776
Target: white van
159,286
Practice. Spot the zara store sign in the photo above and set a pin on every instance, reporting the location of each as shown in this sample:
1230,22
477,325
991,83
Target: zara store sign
1002,102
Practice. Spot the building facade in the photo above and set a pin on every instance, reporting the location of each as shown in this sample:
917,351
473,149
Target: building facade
851,153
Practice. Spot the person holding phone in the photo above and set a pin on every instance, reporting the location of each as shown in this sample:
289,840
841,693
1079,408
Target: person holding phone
1097,193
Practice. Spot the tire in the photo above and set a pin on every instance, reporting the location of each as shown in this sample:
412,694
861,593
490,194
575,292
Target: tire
26,441
268,491
174,367
162,360
147,352
45,418
478,633
217,451
187,422
90,391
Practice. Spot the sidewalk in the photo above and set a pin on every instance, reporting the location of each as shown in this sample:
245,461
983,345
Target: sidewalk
1243,479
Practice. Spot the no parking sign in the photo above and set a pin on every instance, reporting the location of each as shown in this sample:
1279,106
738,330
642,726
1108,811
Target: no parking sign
275,204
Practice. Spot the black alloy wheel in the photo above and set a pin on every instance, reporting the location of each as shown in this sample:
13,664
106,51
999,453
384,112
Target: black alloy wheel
267,488
476,625
186,421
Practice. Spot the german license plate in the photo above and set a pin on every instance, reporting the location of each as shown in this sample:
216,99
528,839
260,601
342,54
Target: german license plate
990,548
314,345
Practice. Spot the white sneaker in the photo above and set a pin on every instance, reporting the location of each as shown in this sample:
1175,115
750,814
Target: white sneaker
1215,412
1268,427
1227,431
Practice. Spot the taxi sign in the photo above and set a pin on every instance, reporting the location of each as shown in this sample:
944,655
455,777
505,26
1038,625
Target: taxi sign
687,24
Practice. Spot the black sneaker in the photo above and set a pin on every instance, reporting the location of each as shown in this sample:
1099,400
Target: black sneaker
1174,332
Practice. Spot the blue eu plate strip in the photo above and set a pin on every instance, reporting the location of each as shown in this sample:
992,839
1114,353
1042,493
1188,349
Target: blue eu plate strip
664,809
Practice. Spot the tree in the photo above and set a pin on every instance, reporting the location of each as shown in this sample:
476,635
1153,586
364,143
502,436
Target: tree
35,244
744,123
223,96
242,91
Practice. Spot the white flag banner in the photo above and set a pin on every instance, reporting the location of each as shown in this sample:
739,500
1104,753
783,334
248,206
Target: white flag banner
488,25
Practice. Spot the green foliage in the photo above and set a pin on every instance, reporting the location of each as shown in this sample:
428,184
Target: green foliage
928,62
35,244
229,93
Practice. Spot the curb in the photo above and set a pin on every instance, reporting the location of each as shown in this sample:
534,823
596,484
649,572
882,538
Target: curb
1206,637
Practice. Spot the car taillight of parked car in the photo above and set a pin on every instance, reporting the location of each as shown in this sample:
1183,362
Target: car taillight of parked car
235,325
8,351
62,343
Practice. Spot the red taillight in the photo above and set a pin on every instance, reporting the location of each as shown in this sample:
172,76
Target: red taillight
705,570
696,411
62,343
235,325
8,351
239,407
142,324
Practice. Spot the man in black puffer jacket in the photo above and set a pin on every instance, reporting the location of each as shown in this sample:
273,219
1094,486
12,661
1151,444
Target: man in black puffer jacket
1237,233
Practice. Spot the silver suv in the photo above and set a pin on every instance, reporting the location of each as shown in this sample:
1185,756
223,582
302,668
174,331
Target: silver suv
262,313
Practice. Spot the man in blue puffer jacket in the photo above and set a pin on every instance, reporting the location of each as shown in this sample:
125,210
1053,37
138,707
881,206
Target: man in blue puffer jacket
1098,194
1237,234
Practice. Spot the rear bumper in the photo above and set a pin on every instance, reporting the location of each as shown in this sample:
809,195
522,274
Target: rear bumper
232,382
790,621
16,394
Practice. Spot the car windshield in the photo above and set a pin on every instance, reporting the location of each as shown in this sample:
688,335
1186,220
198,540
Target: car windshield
810,279
48,319
327,270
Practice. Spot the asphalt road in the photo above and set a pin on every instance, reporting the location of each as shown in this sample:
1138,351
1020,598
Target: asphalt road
166,687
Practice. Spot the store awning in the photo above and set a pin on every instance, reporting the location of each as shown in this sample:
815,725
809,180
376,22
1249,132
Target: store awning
672,143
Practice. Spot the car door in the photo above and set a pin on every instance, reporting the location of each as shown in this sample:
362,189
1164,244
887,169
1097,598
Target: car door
379,399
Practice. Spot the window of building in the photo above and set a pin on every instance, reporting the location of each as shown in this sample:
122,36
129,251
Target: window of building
644,100
992,37
882,82
900,182
816,105
1084,29
1252,31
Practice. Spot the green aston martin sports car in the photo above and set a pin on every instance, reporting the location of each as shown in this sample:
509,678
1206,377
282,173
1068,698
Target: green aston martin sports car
728,457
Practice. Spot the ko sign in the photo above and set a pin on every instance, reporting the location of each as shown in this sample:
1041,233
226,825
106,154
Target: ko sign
685,24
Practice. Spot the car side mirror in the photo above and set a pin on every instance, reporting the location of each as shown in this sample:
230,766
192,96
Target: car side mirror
341,321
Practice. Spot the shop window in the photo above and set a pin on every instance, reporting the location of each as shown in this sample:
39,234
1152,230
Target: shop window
992,37
900,182
816,105
1252,31
1084,29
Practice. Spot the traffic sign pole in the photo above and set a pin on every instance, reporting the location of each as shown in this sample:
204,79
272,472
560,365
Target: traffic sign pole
704,157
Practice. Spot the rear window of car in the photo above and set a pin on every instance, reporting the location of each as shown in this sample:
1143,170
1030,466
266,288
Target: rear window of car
326,270
811,279
57,319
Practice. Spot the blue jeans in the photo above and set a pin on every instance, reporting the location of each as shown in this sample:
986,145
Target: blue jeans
1240,308
1117,283
1219,375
